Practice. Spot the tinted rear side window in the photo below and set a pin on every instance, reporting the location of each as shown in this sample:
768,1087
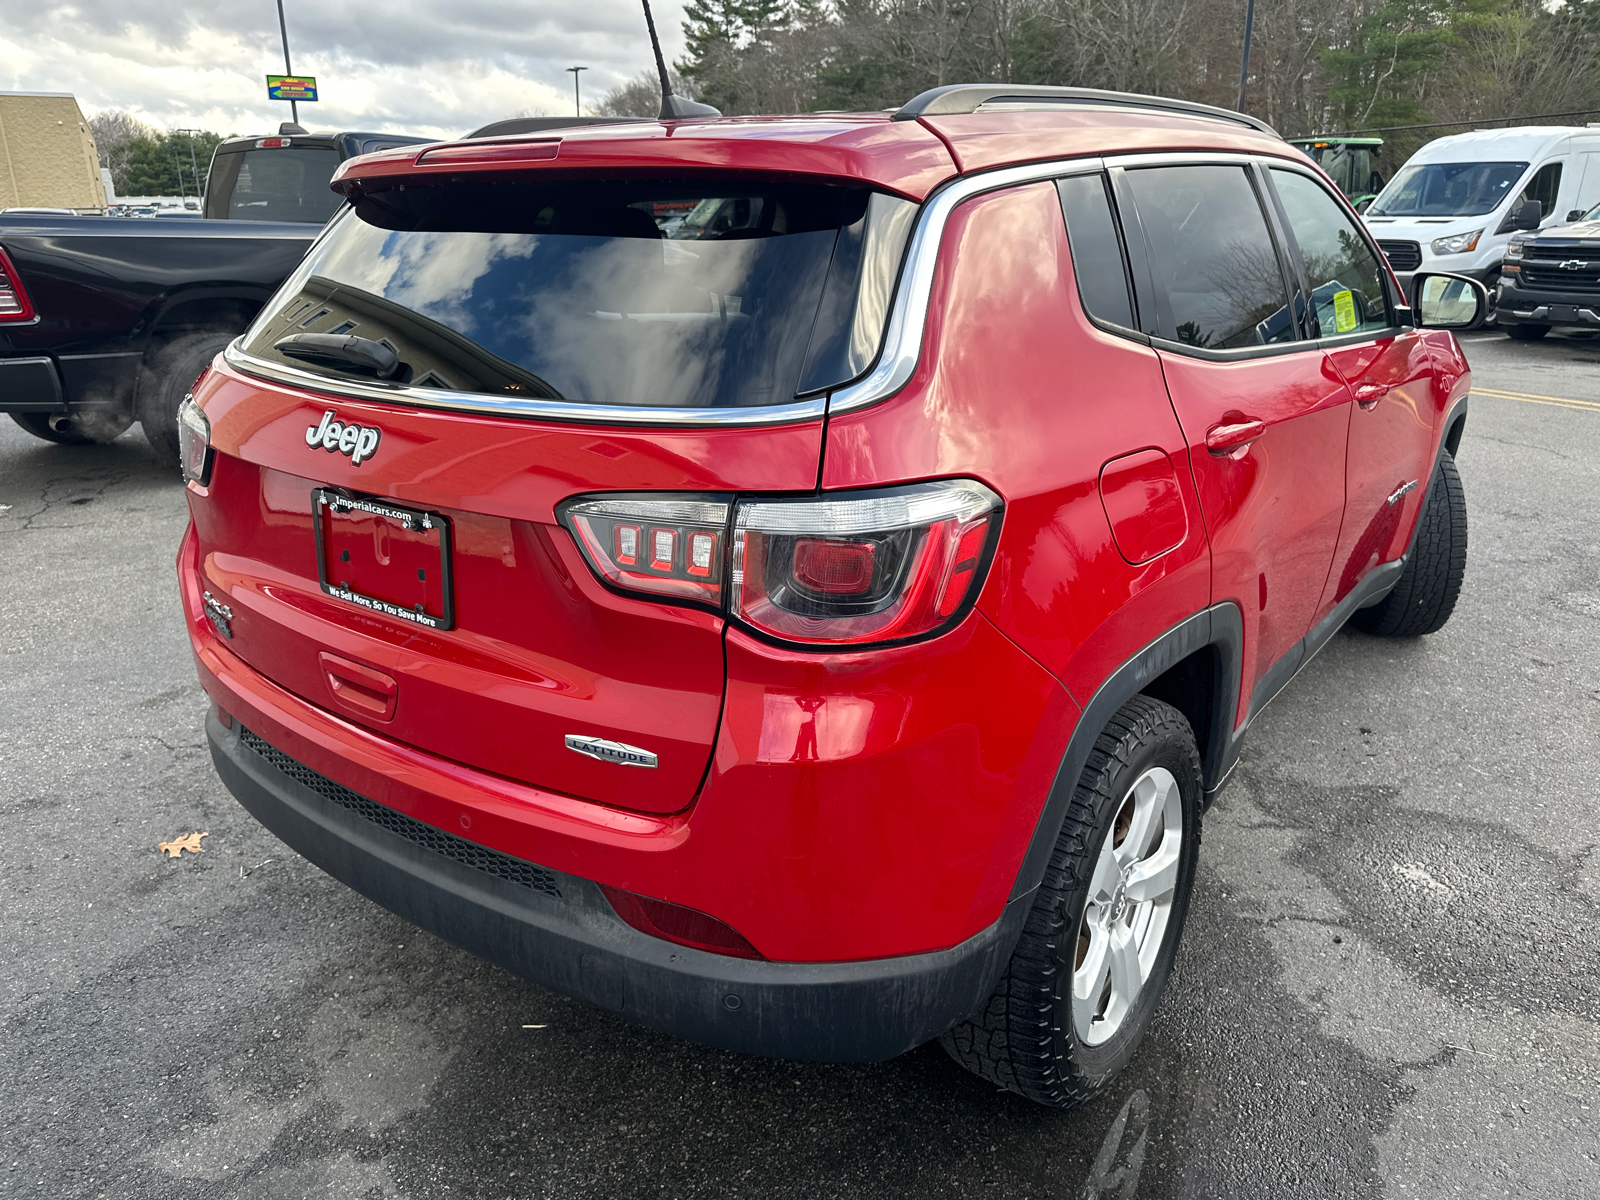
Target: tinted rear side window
673,294
1218,282
283,183
1096,249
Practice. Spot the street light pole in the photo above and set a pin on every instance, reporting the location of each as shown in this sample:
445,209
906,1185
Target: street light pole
283,30
577,103
193,164
1244,63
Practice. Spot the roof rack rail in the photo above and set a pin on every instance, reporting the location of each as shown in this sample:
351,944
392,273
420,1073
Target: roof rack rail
962,98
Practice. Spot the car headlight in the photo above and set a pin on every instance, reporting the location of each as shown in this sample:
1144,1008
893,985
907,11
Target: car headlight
194,442
1459,244
1514,247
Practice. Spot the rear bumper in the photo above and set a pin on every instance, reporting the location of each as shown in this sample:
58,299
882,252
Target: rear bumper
65,383
558,930
30,385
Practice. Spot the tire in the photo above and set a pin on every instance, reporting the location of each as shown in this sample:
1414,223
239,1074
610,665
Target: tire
167,376
1526,333
92,428
1426,595
1030,1036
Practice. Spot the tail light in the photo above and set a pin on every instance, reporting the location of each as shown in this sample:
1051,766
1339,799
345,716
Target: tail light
869,567
672,547
856,568
194,442
14,302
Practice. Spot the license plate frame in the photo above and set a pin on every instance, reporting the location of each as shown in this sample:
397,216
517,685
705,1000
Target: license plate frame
1564,312
413,527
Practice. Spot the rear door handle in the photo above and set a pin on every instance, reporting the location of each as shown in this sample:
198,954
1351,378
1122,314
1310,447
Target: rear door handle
1233,437
1368,394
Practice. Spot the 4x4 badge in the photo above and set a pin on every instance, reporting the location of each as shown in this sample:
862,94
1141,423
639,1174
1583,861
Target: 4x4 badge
611,752
360,442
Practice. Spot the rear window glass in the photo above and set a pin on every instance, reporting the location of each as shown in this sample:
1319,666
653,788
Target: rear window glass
283,183
663,294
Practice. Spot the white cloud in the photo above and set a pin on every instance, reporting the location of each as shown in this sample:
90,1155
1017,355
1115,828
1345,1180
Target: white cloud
414,66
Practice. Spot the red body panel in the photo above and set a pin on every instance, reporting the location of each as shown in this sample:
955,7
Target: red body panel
540,649
900,156
859,806
1393,430
1019,389
1272,506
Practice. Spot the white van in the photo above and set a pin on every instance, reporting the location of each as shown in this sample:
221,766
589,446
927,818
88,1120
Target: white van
1451,207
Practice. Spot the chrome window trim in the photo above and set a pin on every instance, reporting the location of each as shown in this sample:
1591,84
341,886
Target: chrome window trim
487,404
902,340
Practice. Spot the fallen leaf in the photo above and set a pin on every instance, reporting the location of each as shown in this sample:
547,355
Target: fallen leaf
189,842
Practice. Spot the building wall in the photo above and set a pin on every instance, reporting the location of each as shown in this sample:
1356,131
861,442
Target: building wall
47,154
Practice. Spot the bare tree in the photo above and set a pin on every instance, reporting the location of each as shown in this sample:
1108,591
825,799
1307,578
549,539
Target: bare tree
114,132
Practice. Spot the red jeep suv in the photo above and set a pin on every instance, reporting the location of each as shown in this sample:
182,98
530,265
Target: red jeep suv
796,582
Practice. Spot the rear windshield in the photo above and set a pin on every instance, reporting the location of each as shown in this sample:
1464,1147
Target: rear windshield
275,183
1447,190
663,294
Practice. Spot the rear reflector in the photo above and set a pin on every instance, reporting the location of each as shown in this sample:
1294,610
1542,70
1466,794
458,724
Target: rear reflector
674,923
14,302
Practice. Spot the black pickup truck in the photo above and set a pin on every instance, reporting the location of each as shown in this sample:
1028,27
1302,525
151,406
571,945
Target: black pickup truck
1551,278
109,320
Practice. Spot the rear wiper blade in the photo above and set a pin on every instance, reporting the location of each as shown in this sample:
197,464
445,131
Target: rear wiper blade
340,350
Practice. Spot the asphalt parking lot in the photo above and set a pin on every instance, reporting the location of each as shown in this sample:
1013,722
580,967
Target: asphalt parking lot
1387,986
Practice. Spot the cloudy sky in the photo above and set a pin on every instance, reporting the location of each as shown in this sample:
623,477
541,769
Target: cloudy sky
430,67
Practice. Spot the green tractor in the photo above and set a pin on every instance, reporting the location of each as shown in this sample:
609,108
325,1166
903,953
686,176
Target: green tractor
1351,162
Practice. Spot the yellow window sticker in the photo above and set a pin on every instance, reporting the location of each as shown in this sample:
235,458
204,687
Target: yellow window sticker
1344,311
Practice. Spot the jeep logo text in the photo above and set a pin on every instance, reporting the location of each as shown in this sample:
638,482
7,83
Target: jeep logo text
360,442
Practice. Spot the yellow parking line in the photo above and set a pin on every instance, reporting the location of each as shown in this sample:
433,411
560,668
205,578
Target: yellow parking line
1529,398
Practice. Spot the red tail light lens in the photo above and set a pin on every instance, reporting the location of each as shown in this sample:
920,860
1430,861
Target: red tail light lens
864,567
666,547
686,926
847,569
14,302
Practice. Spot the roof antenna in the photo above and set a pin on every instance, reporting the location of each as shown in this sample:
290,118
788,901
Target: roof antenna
673,108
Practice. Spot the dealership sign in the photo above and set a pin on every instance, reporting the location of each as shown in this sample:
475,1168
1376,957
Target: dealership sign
291,87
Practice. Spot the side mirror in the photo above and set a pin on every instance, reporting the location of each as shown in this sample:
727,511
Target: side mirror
1365,204
1448,302
1527,215
1576,214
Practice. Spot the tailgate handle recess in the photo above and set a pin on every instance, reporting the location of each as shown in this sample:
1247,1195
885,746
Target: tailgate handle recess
360,689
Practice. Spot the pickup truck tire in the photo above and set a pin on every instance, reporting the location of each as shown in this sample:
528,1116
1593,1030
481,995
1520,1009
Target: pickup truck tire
1426,595
1141,784
167,376
1526,333
82,429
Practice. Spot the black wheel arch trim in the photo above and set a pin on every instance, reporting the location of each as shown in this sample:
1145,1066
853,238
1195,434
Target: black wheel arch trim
1220,629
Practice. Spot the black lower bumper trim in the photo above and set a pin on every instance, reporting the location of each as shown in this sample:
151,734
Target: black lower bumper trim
567,937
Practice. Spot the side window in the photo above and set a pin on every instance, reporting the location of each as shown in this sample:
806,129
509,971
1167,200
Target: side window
1217,278
1543,187
1096,249
1347,293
